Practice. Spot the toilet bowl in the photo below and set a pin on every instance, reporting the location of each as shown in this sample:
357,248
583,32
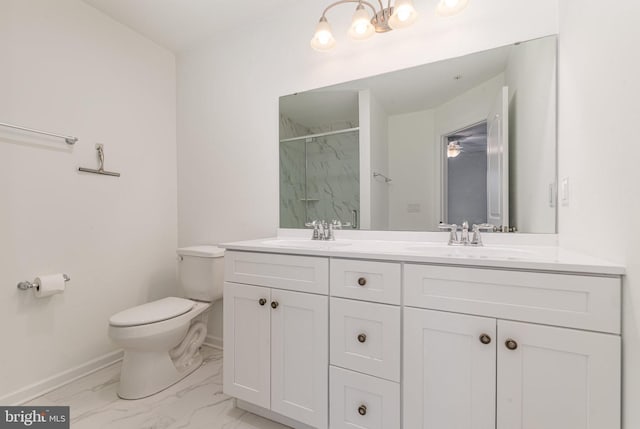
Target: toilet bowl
161,339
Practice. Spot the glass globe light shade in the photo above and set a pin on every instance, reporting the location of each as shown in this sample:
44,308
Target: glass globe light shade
404,14
361,27
323,39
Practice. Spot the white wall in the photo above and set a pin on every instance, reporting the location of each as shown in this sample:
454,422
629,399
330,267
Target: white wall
467,109
228,91
411,160
67,68
599,153
364,121
379,164
531,78
414,151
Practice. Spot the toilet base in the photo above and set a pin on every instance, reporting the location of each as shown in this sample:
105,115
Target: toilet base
147,373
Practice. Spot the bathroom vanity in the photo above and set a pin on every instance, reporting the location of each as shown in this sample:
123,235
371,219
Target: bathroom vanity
390,334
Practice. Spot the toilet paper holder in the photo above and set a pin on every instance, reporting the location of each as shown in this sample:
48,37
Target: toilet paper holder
26,285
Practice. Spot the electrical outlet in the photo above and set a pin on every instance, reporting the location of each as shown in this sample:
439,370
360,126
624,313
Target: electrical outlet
413,208
564,191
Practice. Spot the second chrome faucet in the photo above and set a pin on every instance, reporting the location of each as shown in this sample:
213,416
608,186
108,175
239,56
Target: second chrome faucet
464,240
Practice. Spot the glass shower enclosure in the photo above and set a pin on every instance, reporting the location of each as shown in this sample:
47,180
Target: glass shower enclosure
320,178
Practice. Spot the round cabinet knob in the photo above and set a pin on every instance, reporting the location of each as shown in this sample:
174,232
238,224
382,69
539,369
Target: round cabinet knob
274,304
511,344
262,301
362,410
362,337
362,281
485,339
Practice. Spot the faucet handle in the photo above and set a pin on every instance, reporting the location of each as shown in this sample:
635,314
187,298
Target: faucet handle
453,232
477,238
484,227
315,224
448,226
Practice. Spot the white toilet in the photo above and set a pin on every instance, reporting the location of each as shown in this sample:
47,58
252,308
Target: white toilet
162,339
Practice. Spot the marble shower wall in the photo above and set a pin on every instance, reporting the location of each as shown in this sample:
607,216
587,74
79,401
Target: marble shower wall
319,179
333,177
292,184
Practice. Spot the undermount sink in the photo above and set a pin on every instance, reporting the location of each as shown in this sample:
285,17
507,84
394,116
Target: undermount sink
307,244
484,252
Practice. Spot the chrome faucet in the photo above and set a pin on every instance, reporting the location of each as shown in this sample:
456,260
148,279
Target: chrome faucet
464,237
464,240
323,230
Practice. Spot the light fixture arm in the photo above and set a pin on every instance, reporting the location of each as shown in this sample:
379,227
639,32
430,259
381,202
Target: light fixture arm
332,5
363,25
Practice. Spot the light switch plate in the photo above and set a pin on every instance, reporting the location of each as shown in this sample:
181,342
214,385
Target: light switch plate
564,191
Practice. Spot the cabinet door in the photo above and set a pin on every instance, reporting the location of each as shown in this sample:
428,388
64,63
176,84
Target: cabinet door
300,356
247,343
449,373
557,378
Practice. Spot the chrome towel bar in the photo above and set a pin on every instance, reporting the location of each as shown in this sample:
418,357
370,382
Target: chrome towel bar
68,139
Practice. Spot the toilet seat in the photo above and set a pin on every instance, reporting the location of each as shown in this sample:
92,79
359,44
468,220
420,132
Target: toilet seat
152,312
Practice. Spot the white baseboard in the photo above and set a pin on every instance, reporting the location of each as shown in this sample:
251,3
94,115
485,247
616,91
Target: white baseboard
34,390
215,342
268,414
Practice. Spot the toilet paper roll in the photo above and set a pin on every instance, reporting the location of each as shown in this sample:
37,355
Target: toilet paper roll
49,285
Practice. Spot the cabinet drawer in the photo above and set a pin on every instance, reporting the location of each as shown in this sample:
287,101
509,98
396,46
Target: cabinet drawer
574,301
362,401
297,273
364,280
365,337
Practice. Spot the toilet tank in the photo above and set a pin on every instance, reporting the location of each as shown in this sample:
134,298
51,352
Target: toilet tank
201,272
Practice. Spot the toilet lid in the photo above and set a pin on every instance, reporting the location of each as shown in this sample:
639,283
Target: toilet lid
156,311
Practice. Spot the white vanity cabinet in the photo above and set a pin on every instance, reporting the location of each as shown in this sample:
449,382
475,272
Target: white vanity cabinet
330,341
276,353
480,371
449,374
557,378
365,344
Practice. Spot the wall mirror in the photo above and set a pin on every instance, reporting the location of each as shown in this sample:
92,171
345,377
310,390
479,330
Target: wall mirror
470,138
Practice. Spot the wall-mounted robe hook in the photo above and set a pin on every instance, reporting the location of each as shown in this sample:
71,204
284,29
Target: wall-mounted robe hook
100,170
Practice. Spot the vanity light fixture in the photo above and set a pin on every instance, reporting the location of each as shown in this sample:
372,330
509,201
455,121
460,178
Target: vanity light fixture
402,14
451,7
453,149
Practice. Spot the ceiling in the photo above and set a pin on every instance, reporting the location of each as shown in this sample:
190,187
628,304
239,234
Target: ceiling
410,90
179,24
430,85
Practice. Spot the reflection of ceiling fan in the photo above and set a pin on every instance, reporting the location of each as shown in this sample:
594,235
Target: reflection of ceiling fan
453,149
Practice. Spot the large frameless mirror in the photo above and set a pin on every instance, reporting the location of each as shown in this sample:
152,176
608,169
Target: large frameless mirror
467,139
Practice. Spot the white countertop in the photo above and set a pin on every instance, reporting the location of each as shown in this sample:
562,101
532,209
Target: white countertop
525,257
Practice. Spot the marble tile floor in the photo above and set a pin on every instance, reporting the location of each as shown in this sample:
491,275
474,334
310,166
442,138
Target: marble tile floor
195,402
